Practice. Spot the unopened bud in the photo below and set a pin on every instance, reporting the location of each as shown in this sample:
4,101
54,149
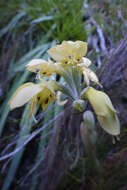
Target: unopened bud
79,105
89,120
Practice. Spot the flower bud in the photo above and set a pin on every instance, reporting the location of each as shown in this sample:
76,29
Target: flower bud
89,120
79,105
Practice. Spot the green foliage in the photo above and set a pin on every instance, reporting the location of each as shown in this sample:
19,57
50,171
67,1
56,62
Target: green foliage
40,15
42,145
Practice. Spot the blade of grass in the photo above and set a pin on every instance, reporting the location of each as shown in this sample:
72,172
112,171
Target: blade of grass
40,156
42,19
33,135
25,127
12,24
36,52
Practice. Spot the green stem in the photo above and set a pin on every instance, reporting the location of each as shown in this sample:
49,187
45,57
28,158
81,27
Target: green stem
64,89
74,85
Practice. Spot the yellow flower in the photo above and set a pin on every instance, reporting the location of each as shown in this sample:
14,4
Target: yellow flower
35,94
104,109
68,52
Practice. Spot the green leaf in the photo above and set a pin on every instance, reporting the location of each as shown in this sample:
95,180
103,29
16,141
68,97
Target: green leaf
35,53
43,141
12,24
42,19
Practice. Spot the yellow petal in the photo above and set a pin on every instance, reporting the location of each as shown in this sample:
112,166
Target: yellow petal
80,48
46,96
43,67
91,75
23,94
68,50
86,78
33,105
97,100
85,62
35,65
109,103
110,123
76,49
58,53
104,109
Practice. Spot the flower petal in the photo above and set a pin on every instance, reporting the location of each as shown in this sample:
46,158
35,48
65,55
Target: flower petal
44,68
109,103
35,65
47,98
68,50
91,75
80,48
85,62
86,78
58,52
33,105
110,124
23,94
97,101
47,95
104,109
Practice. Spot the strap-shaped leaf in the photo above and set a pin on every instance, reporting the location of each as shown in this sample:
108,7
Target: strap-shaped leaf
25,130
